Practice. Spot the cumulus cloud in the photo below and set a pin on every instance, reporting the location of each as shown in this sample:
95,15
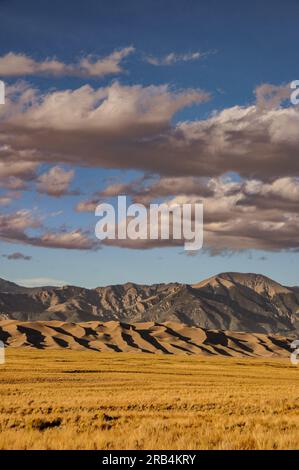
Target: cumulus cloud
13,64
270,96
55,182
238,214
73,240
132,127
15,174
89,205
101,111
144,192
280,192
17,227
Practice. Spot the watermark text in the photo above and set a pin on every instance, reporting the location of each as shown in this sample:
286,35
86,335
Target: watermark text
182,222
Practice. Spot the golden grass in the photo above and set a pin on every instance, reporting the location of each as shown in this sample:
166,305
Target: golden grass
89,400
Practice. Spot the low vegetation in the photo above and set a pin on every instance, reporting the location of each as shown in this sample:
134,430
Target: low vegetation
89,400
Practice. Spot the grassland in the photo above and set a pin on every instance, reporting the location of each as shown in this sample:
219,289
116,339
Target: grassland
89,400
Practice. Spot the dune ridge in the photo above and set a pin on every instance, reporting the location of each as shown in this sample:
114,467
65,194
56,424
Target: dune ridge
148,337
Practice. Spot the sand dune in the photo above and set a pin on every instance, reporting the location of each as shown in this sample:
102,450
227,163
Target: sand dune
149,337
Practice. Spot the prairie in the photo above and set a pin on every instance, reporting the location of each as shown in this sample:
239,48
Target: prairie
65,399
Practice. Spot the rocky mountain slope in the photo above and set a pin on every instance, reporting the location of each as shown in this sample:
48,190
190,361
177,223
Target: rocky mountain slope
228,301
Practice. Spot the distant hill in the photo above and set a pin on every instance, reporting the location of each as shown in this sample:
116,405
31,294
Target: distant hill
11,287
228,301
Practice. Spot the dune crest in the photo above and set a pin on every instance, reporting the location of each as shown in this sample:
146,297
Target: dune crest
149,337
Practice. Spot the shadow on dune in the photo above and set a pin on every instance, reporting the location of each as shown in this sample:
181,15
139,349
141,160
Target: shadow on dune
151,338
34,337
4,335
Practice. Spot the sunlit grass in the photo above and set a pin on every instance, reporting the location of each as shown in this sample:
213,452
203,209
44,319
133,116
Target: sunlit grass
88,400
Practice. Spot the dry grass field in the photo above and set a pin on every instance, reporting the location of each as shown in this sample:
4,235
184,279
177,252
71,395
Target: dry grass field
89,400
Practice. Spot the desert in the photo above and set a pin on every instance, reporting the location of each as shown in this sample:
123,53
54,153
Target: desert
149,221
163,382
152,338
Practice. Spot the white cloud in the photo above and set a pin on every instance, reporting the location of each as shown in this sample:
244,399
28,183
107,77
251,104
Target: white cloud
40,282
132,127
13,64
238,215
173,58
87,206
15,174
17,227
55,182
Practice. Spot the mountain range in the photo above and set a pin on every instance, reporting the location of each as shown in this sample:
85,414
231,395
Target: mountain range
228,301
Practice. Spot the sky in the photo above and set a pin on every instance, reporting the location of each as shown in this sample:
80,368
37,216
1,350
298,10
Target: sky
162,101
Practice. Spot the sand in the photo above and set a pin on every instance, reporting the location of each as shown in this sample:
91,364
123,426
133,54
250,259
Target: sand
150,337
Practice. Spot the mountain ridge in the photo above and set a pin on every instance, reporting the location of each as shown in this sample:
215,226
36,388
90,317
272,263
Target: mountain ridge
228,301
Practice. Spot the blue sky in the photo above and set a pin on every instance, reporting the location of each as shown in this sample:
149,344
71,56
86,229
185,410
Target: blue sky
241,47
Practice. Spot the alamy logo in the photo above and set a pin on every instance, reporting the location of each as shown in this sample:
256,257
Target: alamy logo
295,353
182,222
2,92
2,353
295,94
